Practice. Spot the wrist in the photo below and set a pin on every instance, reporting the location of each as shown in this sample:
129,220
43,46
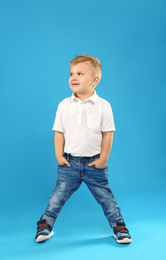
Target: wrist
103,159
58,156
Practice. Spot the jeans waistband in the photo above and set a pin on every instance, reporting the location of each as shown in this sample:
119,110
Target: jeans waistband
69,156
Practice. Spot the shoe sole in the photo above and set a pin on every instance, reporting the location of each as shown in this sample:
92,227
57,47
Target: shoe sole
123,241
41,238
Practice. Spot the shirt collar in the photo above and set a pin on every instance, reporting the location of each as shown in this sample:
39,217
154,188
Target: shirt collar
93,98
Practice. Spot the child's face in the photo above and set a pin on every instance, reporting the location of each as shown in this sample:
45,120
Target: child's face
81,74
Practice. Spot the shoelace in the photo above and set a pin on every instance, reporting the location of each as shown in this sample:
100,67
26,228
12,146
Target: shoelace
42,227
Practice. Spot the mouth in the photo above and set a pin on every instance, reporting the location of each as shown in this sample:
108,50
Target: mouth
75,84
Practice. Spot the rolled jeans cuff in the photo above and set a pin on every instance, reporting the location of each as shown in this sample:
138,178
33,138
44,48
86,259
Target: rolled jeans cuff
50,220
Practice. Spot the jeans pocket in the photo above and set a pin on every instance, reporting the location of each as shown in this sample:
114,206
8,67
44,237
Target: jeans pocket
100,168
62,165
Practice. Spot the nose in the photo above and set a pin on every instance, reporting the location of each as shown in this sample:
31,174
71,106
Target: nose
73,78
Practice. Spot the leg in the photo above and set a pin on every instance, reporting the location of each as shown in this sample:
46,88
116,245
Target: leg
97,181
67,183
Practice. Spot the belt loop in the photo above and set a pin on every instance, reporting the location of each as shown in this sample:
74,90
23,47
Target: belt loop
68,156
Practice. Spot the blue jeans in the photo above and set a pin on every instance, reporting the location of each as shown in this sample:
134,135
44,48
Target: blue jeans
69,179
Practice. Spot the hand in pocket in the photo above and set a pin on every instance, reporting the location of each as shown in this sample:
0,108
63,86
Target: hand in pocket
61,160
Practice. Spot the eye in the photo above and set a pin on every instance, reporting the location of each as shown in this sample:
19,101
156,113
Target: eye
78,73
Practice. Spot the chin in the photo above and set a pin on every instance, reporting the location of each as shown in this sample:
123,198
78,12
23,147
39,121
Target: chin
76,90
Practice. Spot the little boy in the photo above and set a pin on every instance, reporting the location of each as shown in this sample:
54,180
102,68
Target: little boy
84,127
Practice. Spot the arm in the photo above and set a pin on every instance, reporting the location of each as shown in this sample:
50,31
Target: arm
106,145
59,142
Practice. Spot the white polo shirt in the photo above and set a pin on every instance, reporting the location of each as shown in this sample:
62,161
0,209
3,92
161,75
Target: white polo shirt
82,123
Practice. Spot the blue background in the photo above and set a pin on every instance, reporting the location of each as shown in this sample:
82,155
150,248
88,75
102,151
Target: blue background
38,39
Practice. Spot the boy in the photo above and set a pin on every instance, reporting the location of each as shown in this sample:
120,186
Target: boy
84,127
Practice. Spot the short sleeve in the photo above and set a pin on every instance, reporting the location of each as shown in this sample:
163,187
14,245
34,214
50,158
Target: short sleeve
107,119
58,124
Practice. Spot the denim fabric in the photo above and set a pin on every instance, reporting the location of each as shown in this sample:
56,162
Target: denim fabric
69,180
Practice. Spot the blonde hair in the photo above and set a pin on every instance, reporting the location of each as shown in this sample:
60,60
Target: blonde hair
96,65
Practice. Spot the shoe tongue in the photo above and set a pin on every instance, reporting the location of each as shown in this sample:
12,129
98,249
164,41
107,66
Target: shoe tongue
42,221
120,224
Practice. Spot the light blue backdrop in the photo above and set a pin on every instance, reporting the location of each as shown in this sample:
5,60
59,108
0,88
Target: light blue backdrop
38,39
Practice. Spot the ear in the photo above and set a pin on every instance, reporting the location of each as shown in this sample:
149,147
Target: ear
96,80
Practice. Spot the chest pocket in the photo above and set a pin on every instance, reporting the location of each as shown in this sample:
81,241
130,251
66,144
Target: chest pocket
93,121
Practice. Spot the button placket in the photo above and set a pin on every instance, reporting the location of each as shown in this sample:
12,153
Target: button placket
79,114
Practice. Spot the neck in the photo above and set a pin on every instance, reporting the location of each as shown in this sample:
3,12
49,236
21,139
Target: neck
83,96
